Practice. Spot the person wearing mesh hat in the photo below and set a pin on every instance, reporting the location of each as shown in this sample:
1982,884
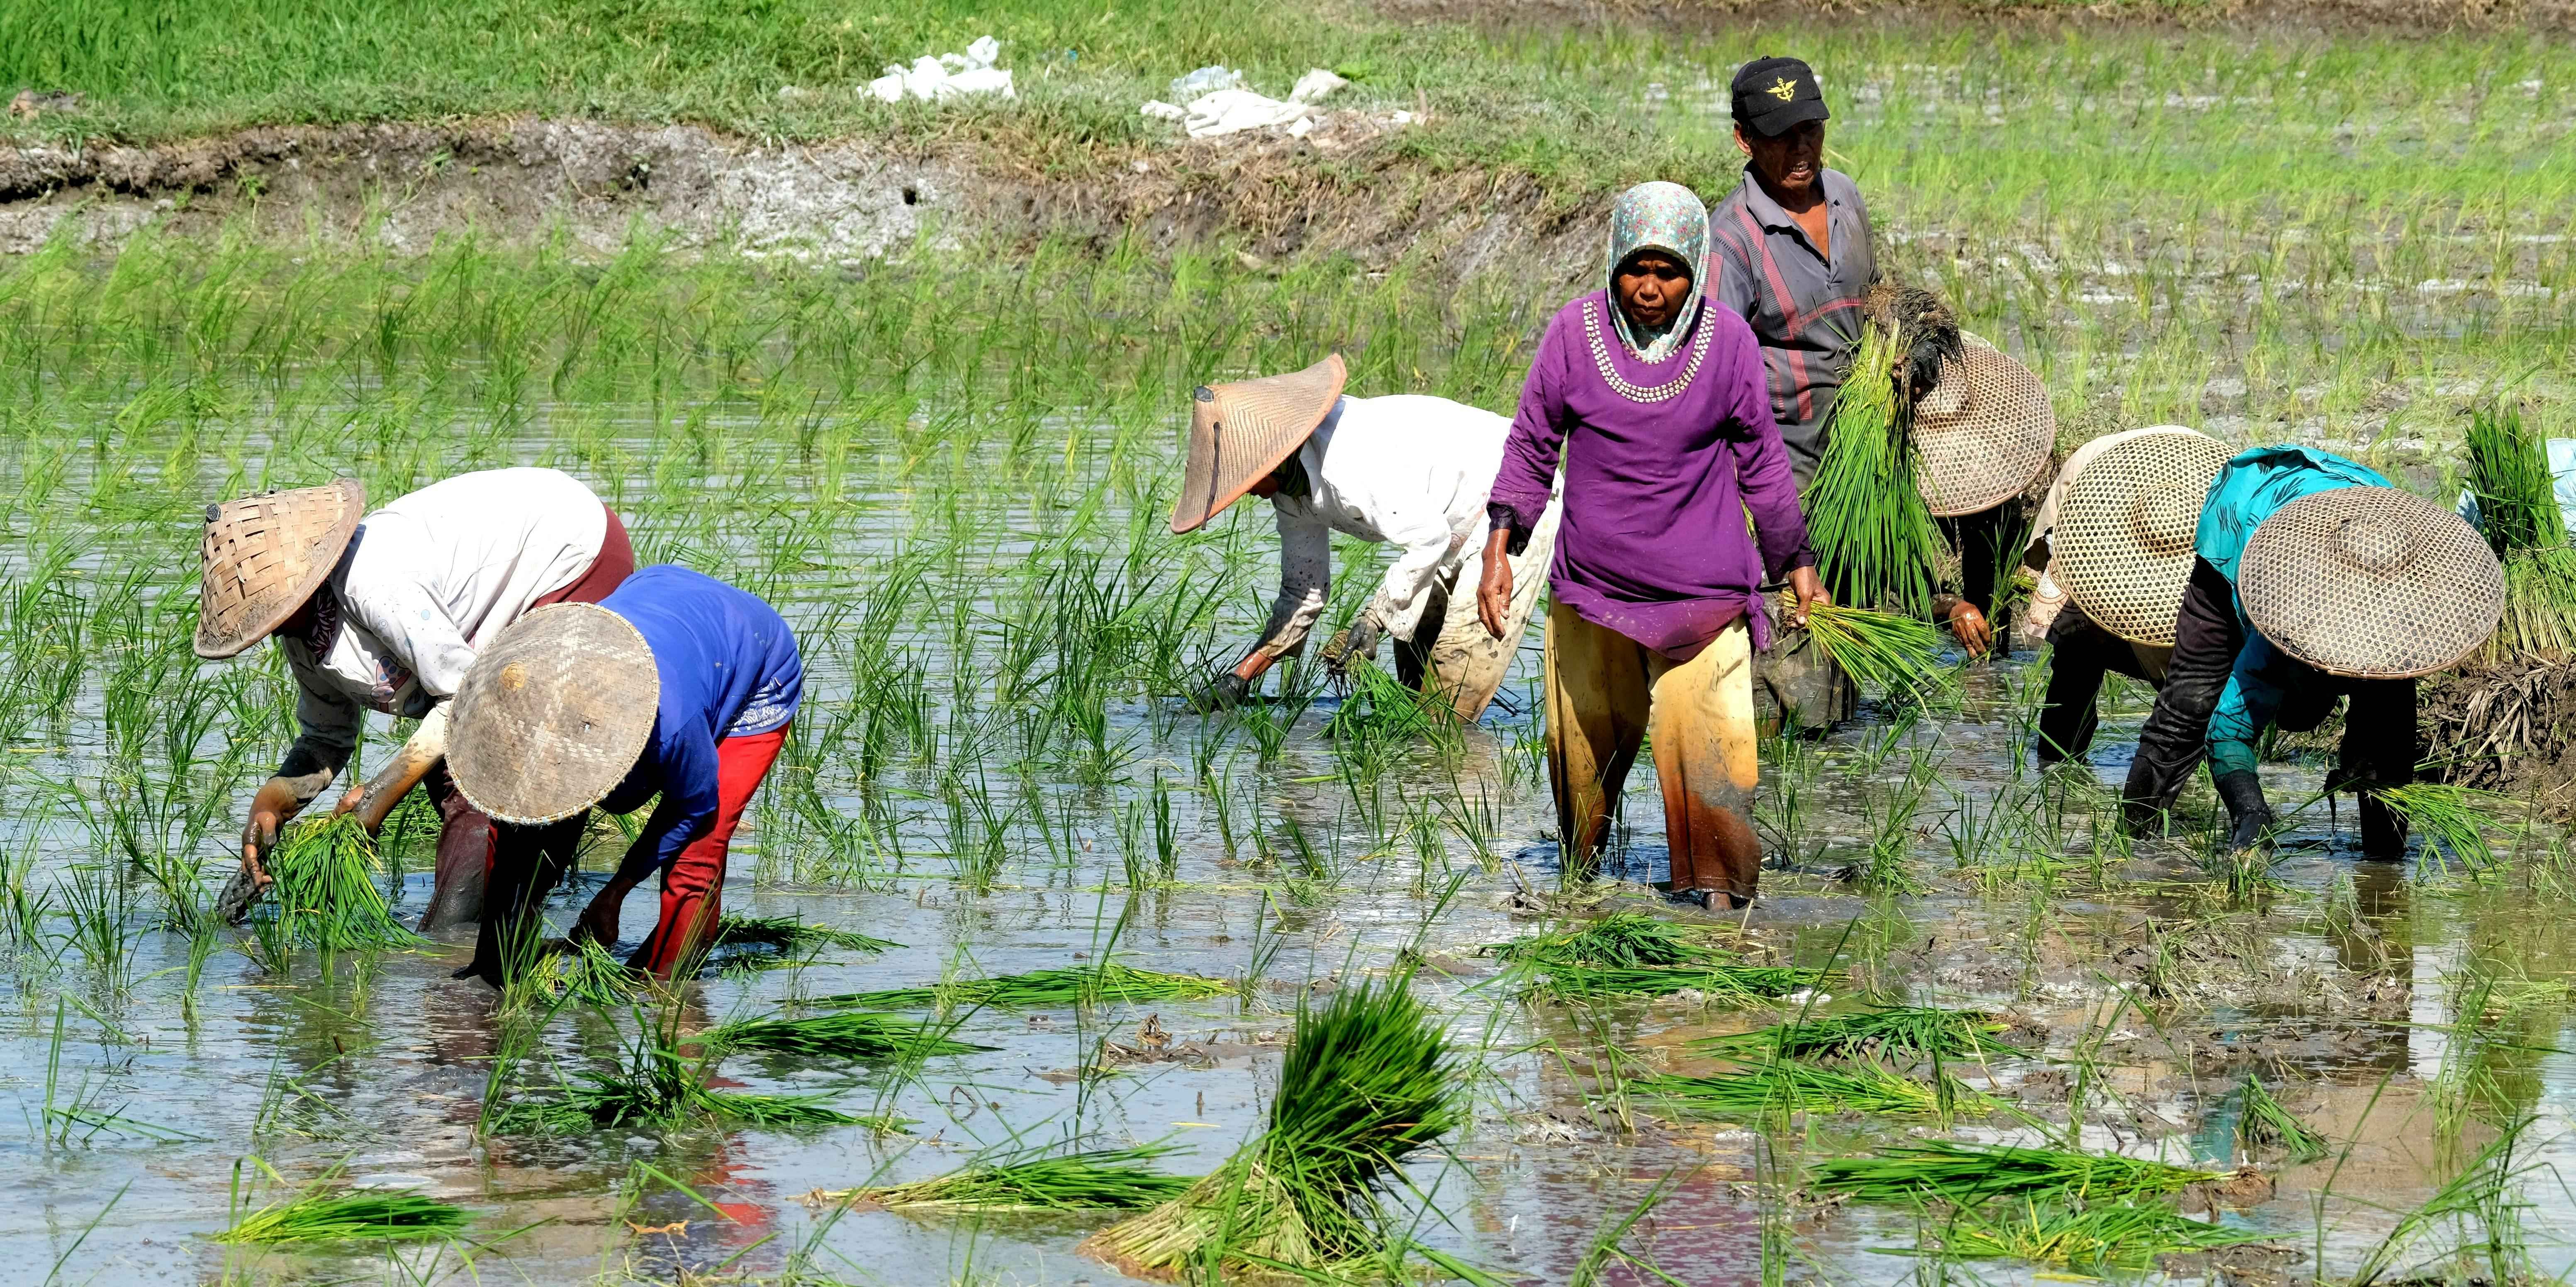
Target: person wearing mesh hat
2314,580
385,613
677,688
1405,470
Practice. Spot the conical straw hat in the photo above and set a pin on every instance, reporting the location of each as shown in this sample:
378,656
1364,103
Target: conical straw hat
553,714
2124,538
2370,583
265,555
1241,431
1982,434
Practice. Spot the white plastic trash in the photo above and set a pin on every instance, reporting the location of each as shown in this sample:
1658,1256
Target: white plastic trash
1205,81
940,77
1230,111
1315,84
1161,111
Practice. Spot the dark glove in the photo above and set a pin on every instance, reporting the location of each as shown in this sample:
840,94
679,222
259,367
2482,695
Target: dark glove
1355,644
1224,692
2246,808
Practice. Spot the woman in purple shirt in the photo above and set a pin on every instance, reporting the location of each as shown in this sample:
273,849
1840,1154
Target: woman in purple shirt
1657,405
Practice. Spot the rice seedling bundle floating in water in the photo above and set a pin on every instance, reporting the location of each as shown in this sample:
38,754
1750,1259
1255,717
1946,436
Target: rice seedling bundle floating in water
1876,546
1633,954
364,1216
1369,1080
1786,1088
1896,653
788,934
2264,1123
1969,1174
1039,990
2094,1238
853,1036
325,893
1894,1032
1627,939
1116,1179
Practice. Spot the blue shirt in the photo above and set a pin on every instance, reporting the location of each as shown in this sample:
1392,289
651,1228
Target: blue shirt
2253,487
729,667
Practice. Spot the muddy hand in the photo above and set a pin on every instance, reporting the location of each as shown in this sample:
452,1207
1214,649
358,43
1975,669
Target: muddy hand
1494,587
357,796
1810,591
1975,633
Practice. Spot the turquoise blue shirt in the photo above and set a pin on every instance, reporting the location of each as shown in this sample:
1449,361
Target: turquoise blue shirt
2253,487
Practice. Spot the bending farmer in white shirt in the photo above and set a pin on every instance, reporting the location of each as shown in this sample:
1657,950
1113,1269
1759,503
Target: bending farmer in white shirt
1408,470
386,614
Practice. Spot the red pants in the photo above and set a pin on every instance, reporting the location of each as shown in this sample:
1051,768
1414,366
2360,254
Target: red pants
465,837
693,885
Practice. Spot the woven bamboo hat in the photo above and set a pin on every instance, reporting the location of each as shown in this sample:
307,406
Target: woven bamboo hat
1241,431
2370,583
553,714
2124,537
1982,434
265,555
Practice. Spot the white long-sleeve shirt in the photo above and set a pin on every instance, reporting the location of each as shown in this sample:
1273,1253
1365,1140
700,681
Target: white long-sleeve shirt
426,582
1411,471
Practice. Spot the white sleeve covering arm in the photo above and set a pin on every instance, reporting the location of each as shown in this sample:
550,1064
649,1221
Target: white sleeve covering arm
1305,579
1409,579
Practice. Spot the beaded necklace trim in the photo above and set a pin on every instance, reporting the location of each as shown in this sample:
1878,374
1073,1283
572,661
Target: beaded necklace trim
1619,384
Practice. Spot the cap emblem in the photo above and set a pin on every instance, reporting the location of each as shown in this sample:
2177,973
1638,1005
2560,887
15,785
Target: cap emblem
1783,89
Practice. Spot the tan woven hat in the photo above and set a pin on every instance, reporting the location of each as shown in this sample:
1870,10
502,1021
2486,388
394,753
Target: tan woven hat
265,555
553,714
2370,583
2123,542
1982,434
1241,431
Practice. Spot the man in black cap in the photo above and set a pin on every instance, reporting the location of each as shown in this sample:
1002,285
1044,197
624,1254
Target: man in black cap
1791,253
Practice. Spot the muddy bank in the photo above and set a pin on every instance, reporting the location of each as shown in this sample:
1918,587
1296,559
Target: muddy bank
1342,189
2500,728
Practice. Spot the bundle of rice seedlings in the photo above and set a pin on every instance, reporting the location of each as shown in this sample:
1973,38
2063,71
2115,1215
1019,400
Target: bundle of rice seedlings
2264,1123
2539,606
1369,1080
1727,984
1875,542
1894,1032
1111,1179
1050,989
1969,1174
1897,654
1785,1088
2447,818
833,1036
1625,939
652,1085
2113,1236
326,894
585,972
2510,480
788,934
362,1216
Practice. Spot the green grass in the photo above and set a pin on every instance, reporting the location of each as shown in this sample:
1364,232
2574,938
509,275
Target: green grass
1106,983
1113,1179
1969,1174
1894,1033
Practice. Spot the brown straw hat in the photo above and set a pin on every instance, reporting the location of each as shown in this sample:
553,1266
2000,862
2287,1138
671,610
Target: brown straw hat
1982,434
265,555
1241,431
2124,538
2370,583
553,714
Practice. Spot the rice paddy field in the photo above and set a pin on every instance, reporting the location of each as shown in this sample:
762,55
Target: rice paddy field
1029,947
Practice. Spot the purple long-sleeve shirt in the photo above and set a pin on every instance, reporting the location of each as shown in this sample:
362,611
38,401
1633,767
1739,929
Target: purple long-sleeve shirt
1652,542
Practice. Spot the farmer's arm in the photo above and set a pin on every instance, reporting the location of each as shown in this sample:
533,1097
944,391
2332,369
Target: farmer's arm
1527,478
418,636
1422,547
687,765
1762,472
1305,579
328,722
2246,706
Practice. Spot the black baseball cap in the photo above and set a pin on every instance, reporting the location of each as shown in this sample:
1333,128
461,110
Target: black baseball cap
1772,95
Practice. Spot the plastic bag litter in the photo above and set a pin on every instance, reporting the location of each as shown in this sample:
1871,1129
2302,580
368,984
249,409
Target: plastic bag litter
1229,111
1206,80
946,76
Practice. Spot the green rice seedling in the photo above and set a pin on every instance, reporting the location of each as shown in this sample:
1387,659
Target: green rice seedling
2263,1123
1898,655
1893,1032
2095,1238
1731,985
2539,618
1772,1089
790,935
856,1036
582,971
1113,1179
1369,1080
653,1085
2508,476
1876,545
2447,818
326,893
349,1217
1969,1174
1381,717
1626,939
1050,989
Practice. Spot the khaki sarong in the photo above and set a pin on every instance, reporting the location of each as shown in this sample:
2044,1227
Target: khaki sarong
1462,658
1606,695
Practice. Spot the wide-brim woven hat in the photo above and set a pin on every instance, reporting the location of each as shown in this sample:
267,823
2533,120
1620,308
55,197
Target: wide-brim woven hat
2124,538
553,714
2370,583
265,555
1982,434
1239,432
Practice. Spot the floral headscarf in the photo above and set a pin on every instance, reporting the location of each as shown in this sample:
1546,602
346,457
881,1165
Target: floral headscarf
1666,217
